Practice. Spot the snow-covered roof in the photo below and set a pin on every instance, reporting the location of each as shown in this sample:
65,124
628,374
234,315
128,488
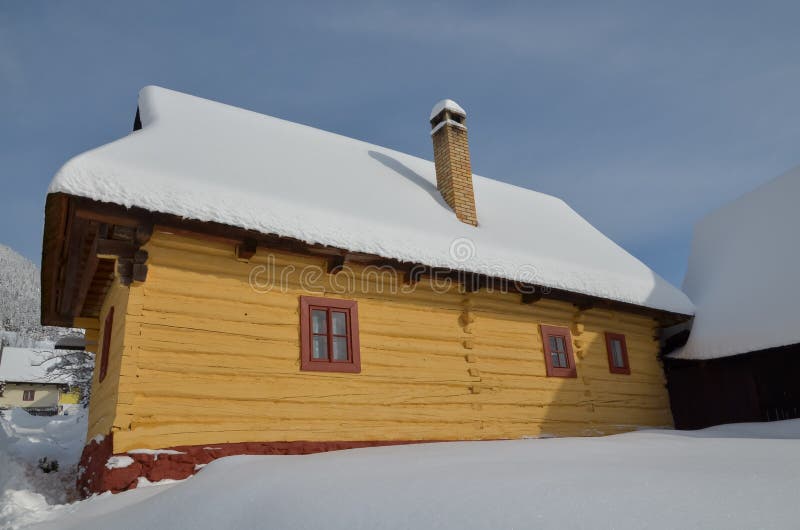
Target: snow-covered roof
27,365
448,104
742,274
212,162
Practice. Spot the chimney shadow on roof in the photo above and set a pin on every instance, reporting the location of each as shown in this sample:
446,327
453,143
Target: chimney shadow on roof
397,166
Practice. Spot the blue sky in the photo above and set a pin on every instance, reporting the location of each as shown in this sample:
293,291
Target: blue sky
642,116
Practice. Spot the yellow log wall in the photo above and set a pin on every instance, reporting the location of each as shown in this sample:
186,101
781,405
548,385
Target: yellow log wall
207,359
103,406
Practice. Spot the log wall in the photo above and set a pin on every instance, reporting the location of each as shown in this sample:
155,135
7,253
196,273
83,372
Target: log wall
201,357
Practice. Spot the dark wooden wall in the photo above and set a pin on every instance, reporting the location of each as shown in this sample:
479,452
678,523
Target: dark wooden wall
757,386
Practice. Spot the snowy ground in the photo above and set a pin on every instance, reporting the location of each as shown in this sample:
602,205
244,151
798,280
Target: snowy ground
26,492
735,476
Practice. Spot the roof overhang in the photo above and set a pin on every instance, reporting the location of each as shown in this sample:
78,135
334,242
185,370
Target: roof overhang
72,342
88,245
35,383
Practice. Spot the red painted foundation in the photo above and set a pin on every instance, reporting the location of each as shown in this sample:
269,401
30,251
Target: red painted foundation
95,477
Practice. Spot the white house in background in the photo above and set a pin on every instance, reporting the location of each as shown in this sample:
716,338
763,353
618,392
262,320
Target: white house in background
24,381
741,361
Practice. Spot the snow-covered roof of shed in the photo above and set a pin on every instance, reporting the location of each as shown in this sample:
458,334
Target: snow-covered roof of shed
742,274
27,365
212,162
448,104
71,342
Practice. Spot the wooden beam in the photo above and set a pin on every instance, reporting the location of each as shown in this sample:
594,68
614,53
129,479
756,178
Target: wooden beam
413,274
87,275
57,214
105,214
246,249
122,233
119,249
73,265
109,213
125,270
139,273
335,263
143,233
472,282
532,297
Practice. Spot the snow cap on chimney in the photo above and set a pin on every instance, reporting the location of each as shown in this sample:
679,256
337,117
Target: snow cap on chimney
447,104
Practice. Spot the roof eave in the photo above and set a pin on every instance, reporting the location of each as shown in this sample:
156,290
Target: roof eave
63,210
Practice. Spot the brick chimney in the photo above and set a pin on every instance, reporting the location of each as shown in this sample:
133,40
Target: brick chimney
451,156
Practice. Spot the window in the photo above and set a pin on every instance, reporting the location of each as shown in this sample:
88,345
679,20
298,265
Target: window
28,395
617,354
329,335
106,344
558,357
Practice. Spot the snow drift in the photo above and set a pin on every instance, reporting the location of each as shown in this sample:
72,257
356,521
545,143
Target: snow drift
736,476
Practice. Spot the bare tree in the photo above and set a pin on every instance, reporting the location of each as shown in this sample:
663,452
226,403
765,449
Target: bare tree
74,366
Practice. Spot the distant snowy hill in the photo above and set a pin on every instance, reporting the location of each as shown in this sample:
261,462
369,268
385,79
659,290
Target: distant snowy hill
19,301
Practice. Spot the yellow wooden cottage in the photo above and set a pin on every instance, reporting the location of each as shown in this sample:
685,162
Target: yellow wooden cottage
252,285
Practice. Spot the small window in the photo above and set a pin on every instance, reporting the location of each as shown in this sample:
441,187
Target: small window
617,354
107,328
329,335
558,356
28,395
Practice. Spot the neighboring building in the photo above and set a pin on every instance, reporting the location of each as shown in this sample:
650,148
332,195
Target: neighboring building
742,358
72,396
25,383
253,285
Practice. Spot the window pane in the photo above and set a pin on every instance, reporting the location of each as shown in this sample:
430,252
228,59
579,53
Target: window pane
554,359
319,321
616,353
339,348
339,323
320,347
563,359
618,361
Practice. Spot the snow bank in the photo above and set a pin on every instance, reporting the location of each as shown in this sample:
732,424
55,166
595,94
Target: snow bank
742,274
204,160
26,492
736,476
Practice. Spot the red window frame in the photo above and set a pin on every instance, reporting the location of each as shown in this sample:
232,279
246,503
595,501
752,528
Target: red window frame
329,305
564,333
104,353
28,395
626,368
